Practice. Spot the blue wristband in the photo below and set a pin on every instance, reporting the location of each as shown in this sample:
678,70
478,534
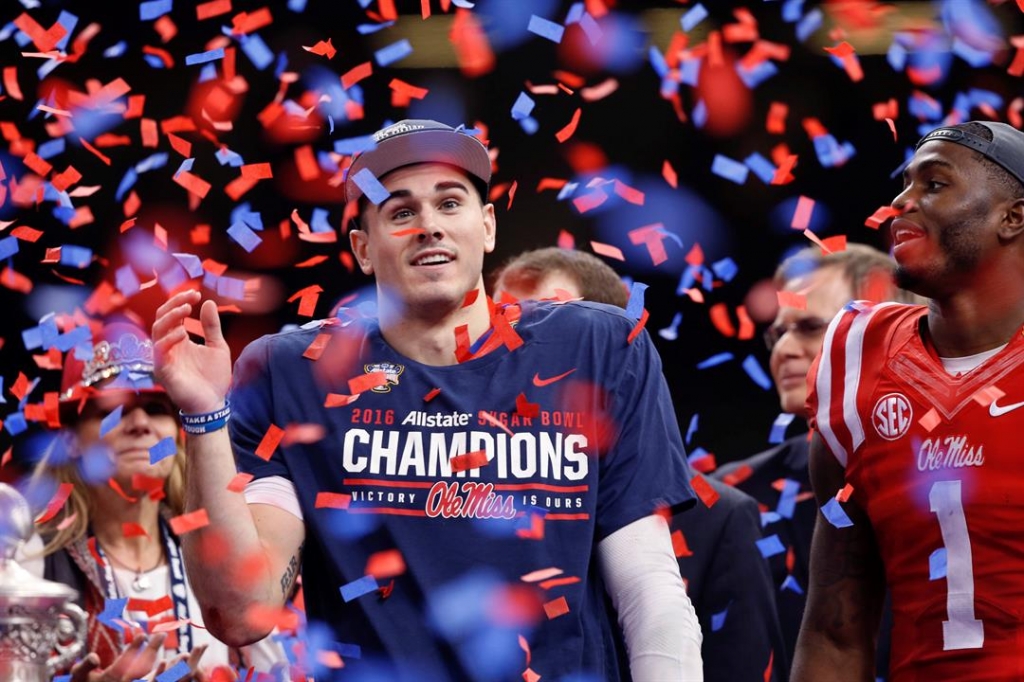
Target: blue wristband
207,422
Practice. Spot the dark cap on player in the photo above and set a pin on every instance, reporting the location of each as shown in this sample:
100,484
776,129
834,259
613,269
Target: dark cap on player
1006,148
413,141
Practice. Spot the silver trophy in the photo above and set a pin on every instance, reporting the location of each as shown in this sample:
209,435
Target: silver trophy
41,631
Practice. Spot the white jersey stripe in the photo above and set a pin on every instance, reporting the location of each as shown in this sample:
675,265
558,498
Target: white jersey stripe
854,357
823,387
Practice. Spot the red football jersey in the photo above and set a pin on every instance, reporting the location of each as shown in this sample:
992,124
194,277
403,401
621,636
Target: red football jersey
937,463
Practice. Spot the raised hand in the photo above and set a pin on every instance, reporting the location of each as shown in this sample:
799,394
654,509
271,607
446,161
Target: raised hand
197,377
136,661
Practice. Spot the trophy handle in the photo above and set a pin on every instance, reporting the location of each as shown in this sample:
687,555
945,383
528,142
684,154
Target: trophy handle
71,633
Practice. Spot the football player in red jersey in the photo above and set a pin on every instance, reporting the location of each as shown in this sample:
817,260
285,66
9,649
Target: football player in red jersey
915,460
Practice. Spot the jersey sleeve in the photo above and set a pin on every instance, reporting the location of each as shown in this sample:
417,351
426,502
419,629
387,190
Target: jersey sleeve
853,349
252,411
645,469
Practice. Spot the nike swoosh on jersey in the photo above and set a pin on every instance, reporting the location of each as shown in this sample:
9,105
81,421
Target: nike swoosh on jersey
537,381
997,411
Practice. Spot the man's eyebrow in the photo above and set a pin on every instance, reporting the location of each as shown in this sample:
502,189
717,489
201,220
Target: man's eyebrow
439,187
926,165
450,184
397,194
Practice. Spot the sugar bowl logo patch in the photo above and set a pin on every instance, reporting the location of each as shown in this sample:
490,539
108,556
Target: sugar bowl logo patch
391,371
892,416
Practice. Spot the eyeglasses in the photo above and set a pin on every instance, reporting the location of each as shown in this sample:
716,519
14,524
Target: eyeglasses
806,328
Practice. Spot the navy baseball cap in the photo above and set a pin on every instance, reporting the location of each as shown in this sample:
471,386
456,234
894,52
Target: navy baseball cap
1006,148
413,141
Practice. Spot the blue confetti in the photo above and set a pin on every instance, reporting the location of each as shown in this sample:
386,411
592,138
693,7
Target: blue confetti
694,16
529,125
700,114
127,182
778,432
937,564
353,145
113,610
207,73
575,13
257,51
787,498
768,517
108,423
116,50
318,223
32,338
75,256
62,678
591,28
371,187
204,57
357,588
297,5
51,148
762,167
8,247
896,56
658,62
186,165
671,332
367,29
154,9
176,672
15,423
68,21
791,584
231,287
126,281
193,266
835,514
809,24
696,455
227,157
770,546
392,53
757,75
163,449
715,360
725,269
80,335
792,10
244,236
691,429
757,374
153,61
243,213
730,169
718,619
523,107
546,29
152,162
689,72
635,305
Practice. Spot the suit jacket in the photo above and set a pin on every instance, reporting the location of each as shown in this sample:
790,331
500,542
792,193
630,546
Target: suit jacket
729,583
757,476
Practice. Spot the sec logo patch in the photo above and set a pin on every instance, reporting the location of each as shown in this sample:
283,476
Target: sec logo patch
892,416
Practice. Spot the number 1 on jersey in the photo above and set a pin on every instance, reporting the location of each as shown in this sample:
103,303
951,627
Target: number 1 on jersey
962,630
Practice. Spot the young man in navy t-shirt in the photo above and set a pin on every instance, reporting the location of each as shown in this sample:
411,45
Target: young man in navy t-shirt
460,481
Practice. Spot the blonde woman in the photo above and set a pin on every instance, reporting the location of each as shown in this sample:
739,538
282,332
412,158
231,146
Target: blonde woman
113,540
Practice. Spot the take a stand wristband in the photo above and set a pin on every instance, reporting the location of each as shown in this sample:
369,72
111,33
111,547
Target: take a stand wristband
208,422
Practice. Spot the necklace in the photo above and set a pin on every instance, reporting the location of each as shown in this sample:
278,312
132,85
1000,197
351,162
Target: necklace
141,582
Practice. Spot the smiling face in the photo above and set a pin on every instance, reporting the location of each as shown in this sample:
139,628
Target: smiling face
430,268
827,291
146,419
950,214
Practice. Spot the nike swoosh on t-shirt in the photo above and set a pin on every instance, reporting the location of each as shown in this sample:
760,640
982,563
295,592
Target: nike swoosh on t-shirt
537,381
996,411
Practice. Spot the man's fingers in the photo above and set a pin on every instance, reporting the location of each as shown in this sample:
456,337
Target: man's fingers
210,318
190,296
80,671
171,319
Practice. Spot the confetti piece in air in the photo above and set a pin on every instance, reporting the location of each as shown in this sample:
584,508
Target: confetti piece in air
546,29
324,48
339,399
844,493
371,187
718,619
358,588
770,546
204,57
268,444
393,53
835,514
779,426
845,53
110,422
692,17
387,563
635,304
556,607
132,530
326,500
434,392
730,169
191,521
792,299
164,448
541,575
714,360
356,74
238,483
880,216
570,128
469,460
607,250
524,408
178,671
787,498
639,327
708,495
367,382
984,396
802,214
56,502
756,373
930,420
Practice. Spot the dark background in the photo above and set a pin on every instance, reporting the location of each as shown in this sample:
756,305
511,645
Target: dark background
626,136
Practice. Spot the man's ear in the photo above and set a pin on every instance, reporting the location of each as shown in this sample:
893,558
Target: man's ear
1012,226
359,241
490,228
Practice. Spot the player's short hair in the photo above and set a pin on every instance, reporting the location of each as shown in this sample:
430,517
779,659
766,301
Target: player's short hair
868,271
597,281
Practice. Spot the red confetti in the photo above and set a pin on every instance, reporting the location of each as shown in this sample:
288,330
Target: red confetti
271,439
431,395
133,530
705,492
367,381
792,299
607,250
214,8
469,460
880,216
556,607
340,399
323,48
356,74
639,327
670,175
56,503
567,132
385,564
333,500
238,483
525,408
844,493
191,521
679,545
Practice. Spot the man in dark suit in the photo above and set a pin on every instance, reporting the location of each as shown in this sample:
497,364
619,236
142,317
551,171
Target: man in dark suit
726,575
813,287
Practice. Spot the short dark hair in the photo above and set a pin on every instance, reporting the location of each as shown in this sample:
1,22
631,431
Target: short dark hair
869,271
597,281
996,173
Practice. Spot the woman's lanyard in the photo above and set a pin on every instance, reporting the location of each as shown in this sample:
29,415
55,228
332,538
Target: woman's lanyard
179,591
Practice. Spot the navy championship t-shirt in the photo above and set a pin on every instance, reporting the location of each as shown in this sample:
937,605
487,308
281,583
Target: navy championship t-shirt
459,506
